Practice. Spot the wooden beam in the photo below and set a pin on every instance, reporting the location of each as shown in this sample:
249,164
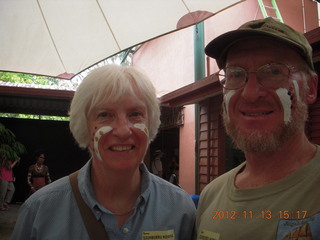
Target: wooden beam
192,93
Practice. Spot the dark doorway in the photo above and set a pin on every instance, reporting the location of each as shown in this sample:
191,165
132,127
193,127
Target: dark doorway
63,156
168,142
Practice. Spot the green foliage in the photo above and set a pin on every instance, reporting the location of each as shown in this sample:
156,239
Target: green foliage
31,116
10,148
27,78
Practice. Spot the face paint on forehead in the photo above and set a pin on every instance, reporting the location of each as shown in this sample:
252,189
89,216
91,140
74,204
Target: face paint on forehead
227,98
99,133
142,127
289,98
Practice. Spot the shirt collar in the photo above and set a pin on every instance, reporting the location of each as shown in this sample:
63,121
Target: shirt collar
87,192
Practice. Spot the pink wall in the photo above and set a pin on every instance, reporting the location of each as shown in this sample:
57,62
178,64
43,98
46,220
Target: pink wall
168,60
299,14
187,151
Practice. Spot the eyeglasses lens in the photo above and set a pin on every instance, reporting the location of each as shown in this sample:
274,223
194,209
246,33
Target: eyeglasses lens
273,75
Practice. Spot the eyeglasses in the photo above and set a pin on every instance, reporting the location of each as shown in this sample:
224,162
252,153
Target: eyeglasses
272,75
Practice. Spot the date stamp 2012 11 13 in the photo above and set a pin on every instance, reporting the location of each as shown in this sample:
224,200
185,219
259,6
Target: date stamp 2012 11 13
264,214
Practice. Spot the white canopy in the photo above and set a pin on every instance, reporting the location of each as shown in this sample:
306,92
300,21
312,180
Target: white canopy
55,37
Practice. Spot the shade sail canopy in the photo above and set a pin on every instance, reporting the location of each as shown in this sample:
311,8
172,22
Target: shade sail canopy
64,37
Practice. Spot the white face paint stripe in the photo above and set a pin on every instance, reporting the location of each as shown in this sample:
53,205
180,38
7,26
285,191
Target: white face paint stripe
104,130
286,102
142,127
283,95
227,98
296,88
99,133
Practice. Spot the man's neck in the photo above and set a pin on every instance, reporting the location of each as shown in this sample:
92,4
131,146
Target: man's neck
265,168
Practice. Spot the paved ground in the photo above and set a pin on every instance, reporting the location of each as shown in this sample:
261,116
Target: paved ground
7,221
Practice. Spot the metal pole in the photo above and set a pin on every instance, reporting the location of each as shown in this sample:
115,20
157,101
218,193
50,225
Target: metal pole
199,72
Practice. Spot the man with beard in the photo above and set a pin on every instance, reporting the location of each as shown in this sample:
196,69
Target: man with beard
268,80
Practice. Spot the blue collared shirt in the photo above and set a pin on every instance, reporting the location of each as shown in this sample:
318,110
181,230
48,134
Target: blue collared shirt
52,212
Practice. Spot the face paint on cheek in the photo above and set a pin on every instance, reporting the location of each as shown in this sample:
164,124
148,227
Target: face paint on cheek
285,99
288,98
297,91
99,133
142,127
227,98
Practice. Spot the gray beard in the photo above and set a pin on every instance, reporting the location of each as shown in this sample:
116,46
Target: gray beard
259,141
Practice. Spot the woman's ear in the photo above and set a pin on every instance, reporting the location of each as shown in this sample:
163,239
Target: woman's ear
311,93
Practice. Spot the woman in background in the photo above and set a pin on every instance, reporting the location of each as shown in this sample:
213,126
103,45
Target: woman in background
38,173
7,188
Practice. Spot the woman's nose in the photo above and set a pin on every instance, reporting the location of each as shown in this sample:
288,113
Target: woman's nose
122,127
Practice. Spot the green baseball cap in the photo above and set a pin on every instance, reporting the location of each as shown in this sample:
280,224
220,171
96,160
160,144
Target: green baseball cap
267,27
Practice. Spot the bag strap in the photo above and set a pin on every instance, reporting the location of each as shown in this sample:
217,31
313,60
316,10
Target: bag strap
94,227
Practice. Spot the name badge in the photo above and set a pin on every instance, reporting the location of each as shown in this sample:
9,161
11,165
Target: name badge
155,235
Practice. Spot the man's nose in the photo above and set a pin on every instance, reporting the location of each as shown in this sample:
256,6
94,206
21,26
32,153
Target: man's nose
252,89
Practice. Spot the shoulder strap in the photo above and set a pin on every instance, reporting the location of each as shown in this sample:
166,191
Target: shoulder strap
94,227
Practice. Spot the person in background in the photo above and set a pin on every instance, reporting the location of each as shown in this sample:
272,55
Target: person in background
7,188
38,173
268,80
174,171
115,114
156,164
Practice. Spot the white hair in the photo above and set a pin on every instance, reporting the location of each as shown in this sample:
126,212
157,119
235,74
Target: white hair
110,83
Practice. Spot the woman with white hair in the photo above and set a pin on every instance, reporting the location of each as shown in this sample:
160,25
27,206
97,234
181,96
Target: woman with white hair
115,114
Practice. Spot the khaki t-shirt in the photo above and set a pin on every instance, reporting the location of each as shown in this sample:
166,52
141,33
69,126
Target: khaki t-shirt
286,209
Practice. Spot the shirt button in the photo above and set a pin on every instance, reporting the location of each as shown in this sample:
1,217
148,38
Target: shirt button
125,230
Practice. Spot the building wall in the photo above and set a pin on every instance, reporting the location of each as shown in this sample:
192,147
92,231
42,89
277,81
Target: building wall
318,13
314,122
169,60
187,151
301,15
211,147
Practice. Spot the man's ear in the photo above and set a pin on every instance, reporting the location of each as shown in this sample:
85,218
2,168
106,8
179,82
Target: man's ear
311,93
